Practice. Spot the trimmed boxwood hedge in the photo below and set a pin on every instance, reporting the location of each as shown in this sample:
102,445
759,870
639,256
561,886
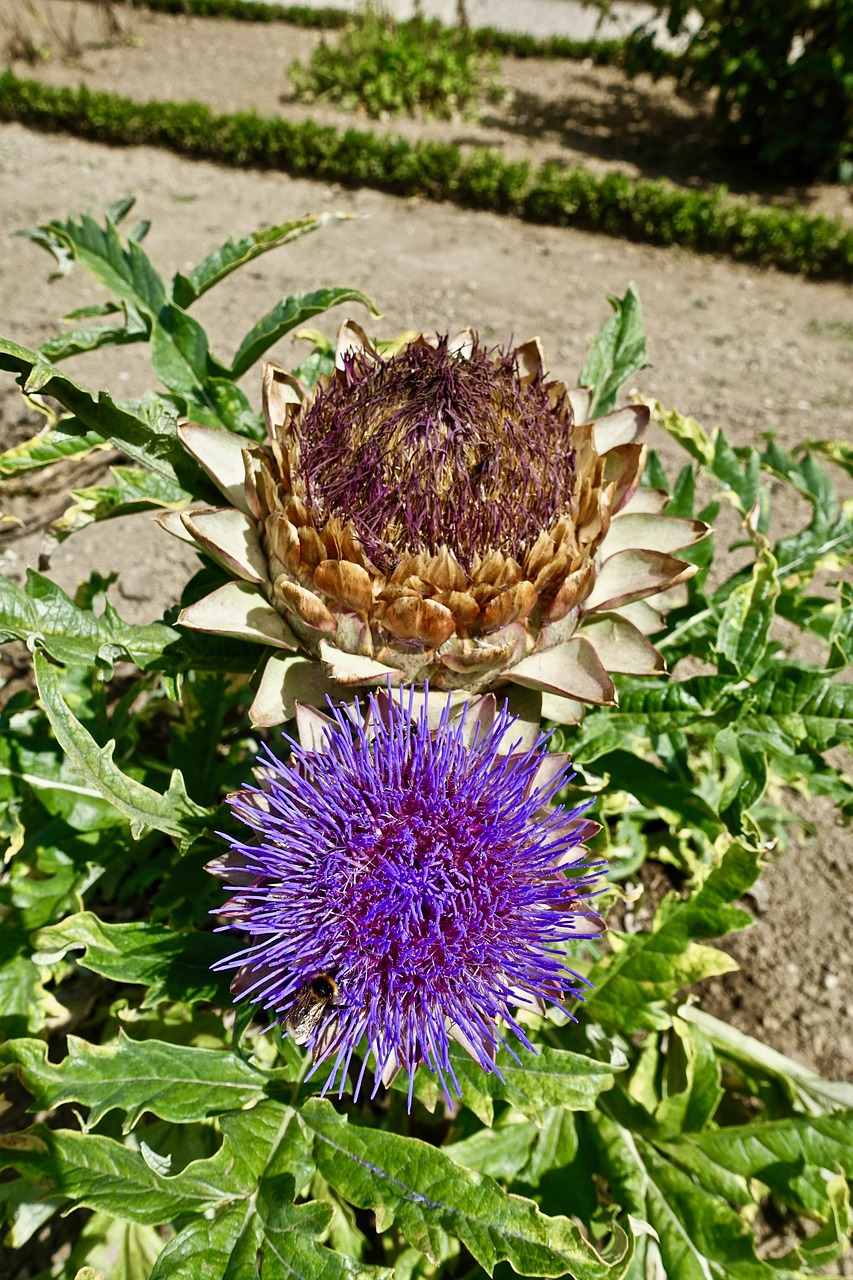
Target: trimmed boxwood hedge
651,211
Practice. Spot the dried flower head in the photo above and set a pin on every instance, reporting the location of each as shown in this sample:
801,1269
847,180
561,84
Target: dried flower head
408,884
429,450
442,513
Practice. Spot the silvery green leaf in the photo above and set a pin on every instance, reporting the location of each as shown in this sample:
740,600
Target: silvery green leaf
617,353
429,1197
173,812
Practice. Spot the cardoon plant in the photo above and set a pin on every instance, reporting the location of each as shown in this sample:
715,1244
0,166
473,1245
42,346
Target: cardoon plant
409,883
647,1138
443,513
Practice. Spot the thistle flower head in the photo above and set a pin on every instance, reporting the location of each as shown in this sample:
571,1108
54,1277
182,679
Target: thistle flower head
407,884
440,513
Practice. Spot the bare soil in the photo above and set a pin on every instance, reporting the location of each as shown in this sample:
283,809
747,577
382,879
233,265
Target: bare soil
752,350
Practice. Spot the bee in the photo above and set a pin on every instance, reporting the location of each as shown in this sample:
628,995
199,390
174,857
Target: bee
310,1003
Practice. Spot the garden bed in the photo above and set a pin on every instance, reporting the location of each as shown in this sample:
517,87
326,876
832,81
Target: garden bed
560,110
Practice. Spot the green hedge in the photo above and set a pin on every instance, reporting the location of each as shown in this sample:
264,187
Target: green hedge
656,212
609,53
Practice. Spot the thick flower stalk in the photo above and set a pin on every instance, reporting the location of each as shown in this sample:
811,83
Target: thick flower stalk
444,514
408,883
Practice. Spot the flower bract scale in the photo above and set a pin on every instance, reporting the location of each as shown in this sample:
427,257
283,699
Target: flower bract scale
408,882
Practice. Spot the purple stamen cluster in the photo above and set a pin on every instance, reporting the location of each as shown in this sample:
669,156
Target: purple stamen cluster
432,448
426,874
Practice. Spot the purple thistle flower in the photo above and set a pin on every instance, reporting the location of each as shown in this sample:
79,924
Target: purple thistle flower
410,884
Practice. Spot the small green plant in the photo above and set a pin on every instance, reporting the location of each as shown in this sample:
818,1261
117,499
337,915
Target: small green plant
388,68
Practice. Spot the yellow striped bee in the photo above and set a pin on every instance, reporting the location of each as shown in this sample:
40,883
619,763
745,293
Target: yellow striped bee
311,1002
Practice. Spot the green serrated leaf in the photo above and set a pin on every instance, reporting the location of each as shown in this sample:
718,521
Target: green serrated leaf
291,1241
47,447
617,353
748,615
132,490
646,969
794,1158
172,965
126,272
237,252
429,1197
173,1081
99,1173
149,438
550,1077
173,812
805,1090
90,337
41,613
837,451
698,1235
286,315
115,1249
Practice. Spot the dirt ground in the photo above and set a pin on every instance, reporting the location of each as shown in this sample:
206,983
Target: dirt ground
752,350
